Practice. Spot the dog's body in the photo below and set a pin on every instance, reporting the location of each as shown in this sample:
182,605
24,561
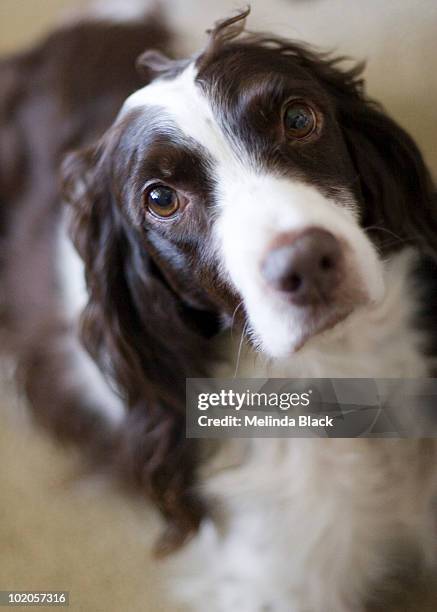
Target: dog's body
105,338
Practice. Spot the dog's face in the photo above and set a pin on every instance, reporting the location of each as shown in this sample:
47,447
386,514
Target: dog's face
240,178
253,175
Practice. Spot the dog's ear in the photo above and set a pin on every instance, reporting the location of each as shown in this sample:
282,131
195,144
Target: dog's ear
395,184
134,328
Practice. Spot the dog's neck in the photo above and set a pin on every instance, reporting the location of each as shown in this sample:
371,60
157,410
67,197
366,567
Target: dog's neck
375,342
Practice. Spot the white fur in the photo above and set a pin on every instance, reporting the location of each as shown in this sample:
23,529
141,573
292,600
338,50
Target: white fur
87,378
84,374
309,524
71,274
182,101
376,341
254,208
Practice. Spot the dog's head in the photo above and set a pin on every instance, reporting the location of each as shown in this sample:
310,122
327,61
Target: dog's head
254,180
256,174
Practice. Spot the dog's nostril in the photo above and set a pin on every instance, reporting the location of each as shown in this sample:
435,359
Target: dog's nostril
326,263
294,282
306,267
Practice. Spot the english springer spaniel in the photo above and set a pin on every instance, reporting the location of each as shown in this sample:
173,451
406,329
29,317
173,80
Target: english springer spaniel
253,188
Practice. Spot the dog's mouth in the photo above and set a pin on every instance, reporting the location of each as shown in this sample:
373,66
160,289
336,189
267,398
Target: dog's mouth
319,323
291,328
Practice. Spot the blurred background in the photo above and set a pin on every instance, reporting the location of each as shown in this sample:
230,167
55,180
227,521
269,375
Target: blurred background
60,532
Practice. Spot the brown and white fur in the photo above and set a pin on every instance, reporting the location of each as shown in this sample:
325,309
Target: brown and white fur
109,308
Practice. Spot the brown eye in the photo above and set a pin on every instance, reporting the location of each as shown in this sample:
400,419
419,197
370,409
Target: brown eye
300,120
162,201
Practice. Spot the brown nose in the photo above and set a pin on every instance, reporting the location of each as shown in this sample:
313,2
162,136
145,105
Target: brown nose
307,267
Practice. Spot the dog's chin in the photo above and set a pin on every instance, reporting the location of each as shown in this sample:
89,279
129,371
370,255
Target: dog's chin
318,325
312,325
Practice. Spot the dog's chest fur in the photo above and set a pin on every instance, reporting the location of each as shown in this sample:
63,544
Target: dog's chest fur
292,512
312,524
308,524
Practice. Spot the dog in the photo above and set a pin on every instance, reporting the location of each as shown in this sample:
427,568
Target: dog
145,214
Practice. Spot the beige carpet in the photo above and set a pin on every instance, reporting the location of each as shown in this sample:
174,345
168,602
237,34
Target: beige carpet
60,533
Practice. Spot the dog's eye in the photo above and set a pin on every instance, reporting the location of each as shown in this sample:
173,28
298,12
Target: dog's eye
300,120
162,201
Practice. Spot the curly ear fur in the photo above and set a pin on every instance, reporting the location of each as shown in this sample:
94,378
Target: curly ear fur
126,326
397,188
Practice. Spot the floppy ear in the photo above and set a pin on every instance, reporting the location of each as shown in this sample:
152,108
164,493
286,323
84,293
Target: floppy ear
134,327
398,193
395,183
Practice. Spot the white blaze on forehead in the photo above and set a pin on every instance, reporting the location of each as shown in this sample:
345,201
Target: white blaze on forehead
184,102
253,207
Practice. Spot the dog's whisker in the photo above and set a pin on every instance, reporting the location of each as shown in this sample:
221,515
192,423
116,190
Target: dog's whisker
233,317
372,228
243,334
